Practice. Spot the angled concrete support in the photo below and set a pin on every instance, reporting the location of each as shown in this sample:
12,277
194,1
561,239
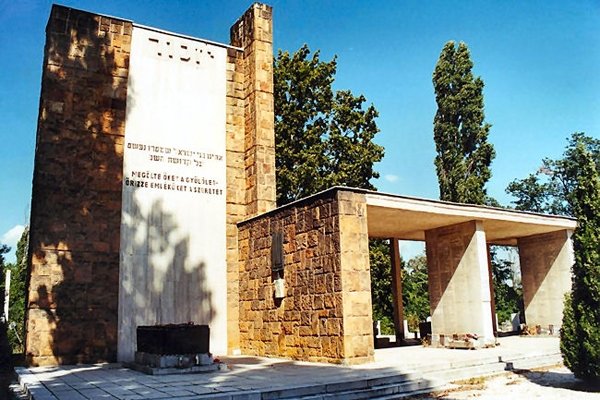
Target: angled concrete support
459,290
546,262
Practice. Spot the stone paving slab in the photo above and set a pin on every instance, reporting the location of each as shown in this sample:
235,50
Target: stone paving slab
264,378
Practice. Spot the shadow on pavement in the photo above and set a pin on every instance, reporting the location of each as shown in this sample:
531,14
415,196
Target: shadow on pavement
244,375
559,380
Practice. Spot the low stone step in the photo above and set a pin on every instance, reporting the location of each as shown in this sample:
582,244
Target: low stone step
533,362
456,364
391,391
392,378
498,367
386,383
456,374
345,386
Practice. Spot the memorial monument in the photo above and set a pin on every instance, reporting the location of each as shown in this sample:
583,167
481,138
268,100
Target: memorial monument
149,150
153,203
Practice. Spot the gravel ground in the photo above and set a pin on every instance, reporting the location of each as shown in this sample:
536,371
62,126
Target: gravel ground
556,383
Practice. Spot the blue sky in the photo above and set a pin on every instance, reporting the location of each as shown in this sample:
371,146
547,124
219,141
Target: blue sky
540,61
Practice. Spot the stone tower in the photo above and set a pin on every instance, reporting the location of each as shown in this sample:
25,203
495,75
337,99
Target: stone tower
134,202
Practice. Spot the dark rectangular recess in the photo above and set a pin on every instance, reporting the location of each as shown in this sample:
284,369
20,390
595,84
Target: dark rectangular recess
173,339
277,251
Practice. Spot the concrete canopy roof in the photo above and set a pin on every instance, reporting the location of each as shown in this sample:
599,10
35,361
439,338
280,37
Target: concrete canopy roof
407,218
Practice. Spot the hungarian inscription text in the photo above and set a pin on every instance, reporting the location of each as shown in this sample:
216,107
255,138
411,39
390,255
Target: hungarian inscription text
189,177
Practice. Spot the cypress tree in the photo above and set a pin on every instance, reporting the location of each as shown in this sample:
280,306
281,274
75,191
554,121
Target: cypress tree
580,333
460,133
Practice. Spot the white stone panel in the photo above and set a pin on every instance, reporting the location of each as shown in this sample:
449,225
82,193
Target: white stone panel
172,266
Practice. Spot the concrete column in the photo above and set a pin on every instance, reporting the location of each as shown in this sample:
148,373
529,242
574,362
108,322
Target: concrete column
546,262
459,289
253,32
397,289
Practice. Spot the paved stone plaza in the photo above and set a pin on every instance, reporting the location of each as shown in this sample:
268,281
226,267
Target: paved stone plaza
395,371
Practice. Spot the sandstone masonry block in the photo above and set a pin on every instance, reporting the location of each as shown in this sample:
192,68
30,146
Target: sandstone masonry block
328,305
75,215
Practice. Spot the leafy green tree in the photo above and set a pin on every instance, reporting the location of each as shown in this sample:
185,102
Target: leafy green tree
580,333
381,284
464,155
508,292
18,293
415,291
322,138
531,193
415,294
550,189
325,138
571,186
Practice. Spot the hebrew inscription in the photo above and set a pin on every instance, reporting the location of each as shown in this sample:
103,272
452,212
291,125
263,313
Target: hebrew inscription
189,177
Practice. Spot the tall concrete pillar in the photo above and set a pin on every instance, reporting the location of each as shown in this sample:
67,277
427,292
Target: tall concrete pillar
546,262
459,289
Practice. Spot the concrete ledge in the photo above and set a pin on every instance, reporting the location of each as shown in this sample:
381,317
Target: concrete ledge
148,370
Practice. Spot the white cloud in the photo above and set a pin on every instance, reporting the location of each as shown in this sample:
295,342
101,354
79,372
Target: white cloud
12,236
391,178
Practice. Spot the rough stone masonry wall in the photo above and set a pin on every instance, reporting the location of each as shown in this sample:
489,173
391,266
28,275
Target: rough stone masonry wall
76,199
250,139
356,277
236,181
326,314
253,33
